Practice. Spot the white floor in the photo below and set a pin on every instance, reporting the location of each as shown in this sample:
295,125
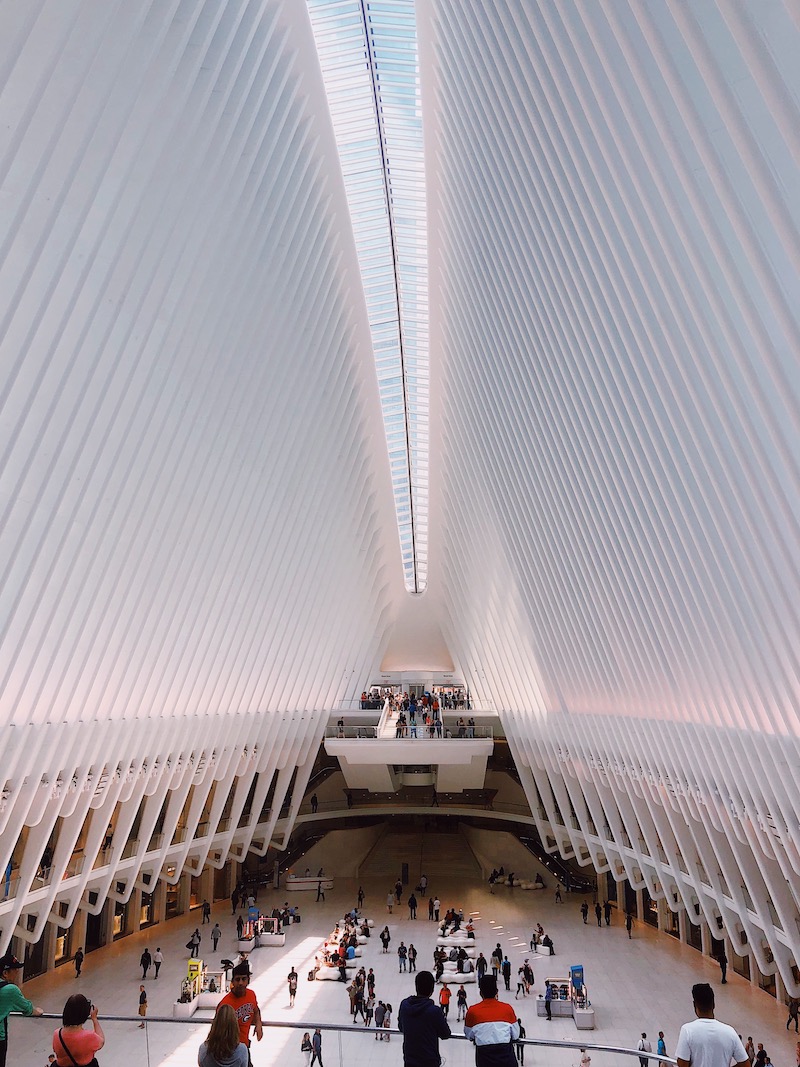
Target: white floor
634,985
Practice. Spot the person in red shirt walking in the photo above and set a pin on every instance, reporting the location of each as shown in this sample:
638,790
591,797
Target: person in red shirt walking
444,999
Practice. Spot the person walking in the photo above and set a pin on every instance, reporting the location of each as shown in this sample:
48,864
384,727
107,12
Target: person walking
314,803
11,999
387,1019
558,895
527,971
389,902
722,960
291,981
422,1025
480,966
444,999
239,927
216,934
206,913
360,897
661,1047
71,1043
158,959
402,956
794,1007
644,1046
380,1011
145,961
194,944
521,988
750,1049
493,1027
78,961
385,938
316,1048
548,1001
142,1005
320,891
520,1048
705,1042
412,959
307,1048
436,906
505,970
461,1003
585,910
430,909
629,924
412,907
369,1008
607,912
598,911
234,901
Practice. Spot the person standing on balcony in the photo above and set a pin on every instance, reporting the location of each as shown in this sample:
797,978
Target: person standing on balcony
422,1025
493,1027
705,1042
11,999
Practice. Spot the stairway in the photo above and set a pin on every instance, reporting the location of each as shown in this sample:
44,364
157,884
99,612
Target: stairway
437,855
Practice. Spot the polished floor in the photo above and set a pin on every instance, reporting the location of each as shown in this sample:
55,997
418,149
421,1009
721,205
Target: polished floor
636,985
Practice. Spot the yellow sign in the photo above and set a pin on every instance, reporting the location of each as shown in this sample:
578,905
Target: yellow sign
195,968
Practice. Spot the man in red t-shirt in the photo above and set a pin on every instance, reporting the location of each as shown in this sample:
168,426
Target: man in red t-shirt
244,1003
444,999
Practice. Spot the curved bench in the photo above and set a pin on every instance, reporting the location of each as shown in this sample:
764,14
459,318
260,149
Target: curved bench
451,978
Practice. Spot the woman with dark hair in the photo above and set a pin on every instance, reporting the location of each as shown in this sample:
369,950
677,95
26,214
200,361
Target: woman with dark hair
222,1047
73,1046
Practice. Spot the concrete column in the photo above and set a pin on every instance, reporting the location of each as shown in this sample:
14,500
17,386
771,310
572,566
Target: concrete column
682,920
78,934
639,905
133,912
705,937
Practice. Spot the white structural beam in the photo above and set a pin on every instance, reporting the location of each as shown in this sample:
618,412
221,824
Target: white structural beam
614,256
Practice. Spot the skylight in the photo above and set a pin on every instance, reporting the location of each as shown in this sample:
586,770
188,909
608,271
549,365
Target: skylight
368,53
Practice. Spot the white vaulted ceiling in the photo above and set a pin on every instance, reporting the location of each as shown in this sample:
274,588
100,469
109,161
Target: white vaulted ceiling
199,540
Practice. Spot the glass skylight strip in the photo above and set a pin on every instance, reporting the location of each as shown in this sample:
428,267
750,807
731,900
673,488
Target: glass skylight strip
368,54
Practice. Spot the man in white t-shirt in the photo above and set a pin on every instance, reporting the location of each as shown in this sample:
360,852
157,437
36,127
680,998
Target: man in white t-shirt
707,1042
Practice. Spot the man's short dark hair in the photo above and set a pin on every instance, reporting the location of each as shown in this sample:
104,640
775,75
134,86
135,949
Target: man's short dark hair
703,996
424,983
241,970
488,986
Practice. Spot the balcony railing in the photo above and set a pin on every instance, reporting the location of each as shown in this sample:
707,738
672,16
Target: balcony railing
340,1042
416,733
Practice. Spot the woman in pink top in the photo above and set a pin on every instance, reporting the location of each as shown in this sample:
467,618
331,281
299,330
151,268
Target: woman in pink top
72,1045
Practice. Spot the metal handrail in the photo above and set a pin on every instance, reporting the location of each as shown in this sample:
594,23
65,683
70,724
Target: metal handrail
306,1024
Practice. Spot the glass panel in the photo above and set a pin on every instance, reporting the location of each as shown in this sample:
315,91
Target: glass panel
368,54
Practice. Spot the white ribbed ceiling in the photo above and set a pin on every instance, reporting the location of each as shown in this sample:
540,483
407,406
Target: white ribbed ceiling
199,522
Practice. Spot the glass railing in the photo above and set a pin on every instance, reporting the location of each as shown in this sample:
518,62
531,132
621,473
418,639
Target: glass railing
450,732
176,1041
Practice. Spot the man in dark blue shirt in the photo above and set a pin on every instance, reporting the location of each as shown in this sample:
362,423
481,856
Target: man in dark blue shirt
422,1025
